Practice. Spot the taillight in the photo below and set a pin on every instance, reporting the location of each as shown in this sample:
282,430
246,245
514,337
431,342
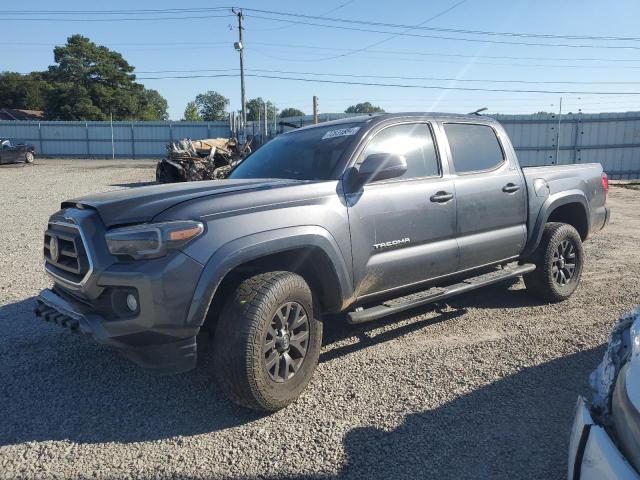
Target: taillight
605,185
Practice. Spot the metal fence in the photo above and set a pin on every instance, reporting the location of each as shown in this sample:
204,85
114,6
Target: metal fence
613,139
103,139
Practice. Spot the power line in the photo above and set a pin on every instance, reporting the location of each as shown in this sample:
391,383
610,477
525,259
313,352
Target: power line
317,47
397,85
442,37
342,5
447,30
430,54
118,19
384,40
114,12
306,60
321,17
398,77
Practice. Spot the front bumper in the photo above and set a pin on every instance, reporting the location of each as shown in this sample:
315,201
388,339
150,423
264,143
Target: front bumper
152,350
592,453
154,333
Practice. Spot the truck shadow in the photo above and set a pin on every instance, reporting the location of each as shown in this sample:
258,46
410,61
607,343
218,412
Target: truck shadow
337,329
55,385
498,296
516,427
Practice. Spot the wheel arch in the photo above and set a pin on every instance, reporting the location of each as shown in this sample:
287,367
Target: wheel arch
309,251
569,207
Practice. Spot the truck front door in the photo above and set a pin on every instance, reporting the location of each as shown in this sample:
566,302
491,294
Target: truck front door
403,229
490,194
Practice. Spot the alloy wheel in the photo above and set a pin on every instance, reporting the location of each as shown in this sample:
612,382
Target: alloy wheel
564,263
286,342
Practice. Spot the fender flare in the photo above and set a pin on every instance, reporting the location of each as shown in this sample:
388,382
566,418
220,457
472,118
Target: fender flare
550,204
255,246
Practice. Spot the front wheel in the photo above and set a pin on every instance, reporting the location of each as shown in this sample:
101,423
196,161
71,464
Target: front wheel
29,157
559,260
267,341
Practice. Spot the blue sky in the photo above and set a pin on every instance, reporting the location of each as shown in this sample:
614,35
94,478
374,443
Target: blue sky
207,43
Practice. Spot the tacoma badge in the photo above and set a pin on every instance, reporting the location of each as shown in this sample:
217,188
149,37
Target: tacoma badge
392,243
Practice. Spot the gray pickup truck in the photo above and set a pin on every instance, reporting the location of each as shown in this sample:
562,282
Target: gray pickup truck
366,216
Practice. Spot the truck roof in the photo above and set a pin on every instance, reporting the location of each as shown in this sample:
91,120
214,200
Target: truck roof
374,118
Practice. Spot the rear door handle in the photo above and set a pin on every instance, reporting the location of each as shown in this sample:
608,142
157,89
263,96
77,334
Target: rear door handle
441,197
510,188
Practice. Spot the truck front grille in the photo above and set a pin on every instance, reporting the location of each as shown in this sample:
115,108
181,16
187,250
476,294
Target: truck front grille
64,252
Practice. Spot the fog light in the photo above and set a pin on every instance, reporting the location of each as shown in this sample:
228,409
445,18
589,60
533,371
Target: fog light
132,302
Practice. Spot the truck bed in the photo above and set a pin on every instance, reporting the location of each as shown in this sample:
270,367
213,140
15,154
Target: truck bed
546,183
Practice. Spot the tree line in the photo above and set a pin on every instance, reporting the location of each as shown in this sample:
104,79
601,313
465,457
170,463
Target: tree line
212,106
87,82
91,82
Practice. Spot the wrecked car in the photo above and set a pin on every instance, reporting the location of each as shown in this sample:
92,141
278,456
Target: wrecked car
605,437
192,160
16,152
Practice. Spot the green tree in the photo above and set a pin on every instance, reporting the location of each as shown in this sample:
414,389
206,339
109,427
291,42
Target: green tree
364,107
23,91
291,112
255,109
153,106
191,113
212,106
90,82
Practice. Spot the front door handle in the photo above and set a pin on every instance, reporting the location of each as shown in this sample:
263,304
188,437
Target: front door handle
441,197
510,188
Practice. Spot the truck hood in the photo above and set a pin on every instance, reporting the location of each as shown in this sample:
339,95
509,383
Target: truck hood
142,204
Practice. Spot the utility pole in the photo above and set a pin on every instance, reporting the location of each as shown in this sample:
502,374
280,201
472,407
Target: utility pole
315,109
266,121
113,145
558,133
239,46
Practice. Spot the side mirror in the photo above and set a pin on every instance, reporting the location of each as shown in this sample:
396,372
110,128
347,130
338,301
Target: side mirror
381,166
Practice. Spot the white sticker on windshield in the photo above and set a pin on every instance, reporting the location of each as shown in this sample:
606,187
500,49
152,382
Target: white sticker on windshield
341,132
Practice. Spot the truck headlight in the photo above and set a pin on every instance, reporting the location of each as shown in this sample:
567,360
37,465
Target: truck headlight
152,240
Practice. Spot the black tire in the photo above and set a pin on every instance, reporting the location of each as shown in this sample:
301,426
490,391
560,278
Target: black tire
559,261
29,157
247,337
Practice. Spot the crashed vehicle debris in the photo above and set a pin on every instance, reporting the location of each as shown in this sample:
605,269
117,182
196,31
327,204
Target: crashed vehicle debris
605,438
191,160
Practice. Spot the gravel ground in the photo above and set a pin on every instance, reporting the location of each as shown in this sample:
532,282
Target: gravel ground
484,389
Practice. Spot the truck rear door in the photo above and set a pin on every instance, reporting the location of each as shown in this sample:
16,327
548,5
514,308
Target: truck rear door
490,194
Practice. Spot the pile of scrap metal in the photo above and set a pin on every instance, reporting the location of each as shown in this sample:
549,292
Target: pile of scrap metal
210,159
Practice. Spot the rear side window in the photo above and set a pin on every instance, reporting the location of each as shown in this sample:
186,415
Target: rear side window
473,147
414,141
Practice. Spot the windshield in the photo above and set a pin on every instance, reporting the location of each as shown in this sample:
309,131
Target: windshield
305,155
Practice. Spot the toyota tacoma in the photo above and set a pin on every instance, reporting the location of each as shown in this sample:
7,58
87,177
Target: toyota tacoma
366,217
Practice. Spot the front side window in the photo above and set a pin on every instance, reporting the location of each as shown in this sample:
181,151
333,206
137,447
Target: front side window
412,140
309,154
473,147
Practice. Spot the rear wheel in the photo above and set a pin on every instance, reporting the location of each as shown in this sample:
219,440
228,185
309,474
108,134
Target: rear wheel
559,260
267,341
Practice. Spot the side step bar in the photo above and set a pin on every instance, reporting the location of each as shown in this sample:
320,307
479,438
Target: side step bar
436,294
